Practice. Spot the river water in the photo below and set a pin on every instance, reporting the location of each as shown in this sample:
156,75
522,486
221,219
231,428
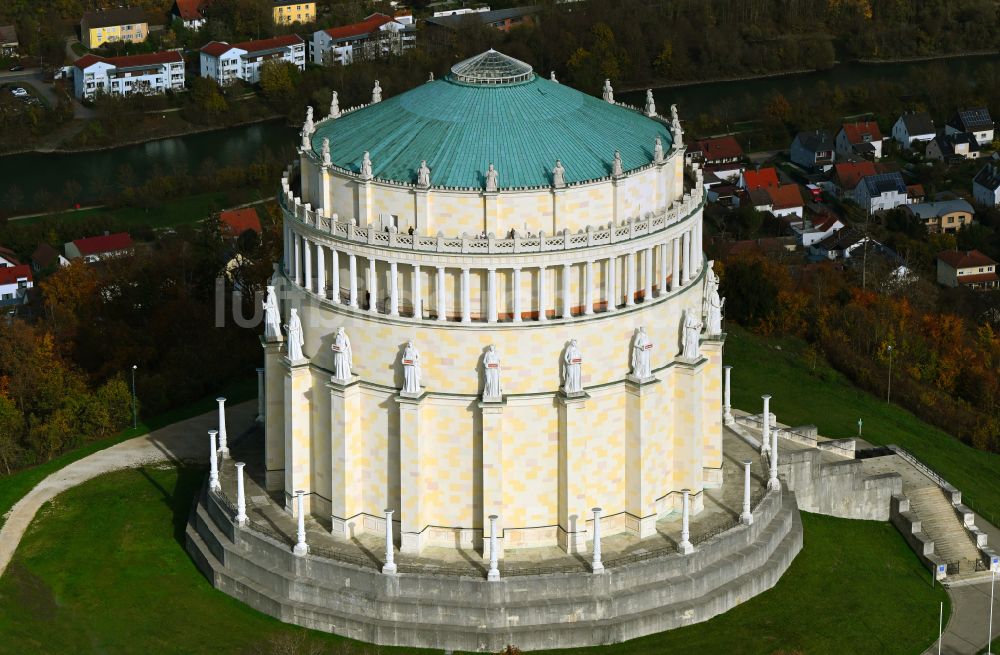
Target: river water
97,172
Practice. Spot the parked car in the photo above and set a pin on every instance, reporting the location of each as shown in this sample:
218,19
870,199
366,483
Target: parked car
19,92
15,68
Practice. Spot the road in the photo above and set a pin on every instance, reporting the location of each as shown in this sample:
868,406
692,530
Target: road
33,76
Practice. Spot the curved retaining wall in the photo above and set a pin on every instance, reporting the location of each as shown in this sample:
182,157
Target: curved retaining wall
465,613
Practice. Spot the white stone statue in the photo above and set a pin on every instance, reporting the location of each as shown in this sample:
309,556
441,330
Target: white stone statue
334,105
343,357
641,354
609,93
650,103
295,336
691,335
573,376
431,78
711,286
552,77
309,127
675,127
715,305
272,315
492,179
366,166
423,175
658,151
326,152
558,175
411,369
491,364
616,166
376,93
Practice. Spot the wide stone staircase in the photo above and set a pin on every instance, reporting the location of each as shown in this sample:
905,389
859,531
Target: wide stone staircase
939,520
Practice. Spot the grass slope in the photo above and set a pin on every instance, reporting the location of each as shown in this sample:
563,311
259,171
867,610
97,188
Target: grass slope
825,398
102,570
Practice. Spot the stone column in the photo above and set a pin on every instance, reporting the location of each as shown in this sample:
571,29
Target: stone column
346,438
492,467
466,293
491,297
630,279
567,304
320,271
307,266
352,268
773,484
335,275
588,292
372,286
393,289
746,518
418,296
301,548
574,452
612,292
595,564
647,259
298,259
685,546
727,408
517,294
389,568
542,295
647,420
298,429
675,264
223,439
241,499
261,403
494,573
765,430
213,461
686,257
663,269
412,479
439,283
286,250
274,415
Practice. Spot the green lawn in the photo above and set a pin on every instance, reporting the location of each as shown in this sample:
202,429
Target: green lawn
16,485
825,398
103,570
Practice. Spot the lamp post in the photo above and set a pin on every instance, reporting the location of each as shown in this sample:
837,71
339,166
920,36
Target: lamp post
989,641
888,390
135,414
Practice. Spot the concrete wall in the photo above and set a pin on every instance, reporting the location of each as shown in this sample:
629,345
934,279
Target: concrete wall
838,488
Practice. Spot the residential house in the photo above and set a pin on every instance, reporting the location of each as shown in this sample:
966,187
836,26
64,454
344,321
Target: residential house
975,121
287,12
969,268
813,150
378,35
847,175
943,215
915,193
913,127
94,249
46,258
226,63
759,178
121,24
955,146
7,258
235,222
880,192
500,19
842,244
14,284
724,194
786,199
721,150
157,72
986,185
817,230
860,140
8,40
191,13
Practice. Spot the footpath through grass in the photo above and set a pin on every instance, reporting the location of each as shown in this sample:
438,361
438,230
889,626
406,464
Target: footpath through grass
827,399
13,487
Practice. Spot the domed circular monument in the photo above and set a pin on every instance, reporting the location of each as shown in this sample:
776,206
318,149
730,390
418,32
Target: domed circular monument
501,347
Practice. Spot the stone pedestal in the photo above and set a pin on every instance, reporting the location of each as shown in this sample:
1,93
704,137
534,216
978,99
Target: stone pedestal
711,415
297,434
574,433
411,484
688,431
492,413
647,449
274,415
346,453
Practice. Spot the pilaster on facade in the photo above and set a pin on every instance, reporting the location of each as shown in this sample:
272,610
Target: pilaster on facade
574,504
493,469
346,454
688,428
412,484
298,431
648,451
274,414
712,411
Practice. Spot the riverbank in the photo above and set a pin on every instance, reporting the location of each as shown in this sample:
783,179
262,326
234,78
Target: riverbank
912,60
656,86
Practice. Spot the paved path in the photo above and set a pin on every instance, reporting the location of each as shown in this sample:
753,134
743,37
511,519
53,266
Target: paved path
185,440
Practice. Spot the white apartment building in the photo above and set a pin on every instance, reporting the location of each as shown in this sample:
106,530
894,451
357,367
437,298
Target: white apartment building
226,63
157,72
377,36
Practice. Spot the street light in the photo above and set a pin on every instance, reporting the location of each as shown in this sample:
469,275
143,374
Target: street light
989,642
888,390
134,414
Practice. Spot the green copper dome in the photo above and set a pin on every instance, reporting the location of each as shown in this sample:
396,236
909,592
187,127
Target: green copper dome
492,109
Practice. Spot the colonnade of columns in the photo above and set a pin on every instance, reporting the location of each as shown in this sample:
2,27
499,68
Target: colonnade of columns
648,272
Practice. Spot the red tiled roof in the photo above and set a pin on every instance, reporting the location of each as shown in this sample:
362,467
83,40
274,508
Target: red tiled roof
238,221
166,57
725,147
977,278
915,190
9,255
218,48
850,173
366,26
785,196
215,48
104,244
856,132
760,179
965,258
190,9
10,274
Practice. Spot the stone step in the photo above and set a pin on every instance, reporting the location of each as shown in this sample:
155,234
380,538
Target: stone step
940,521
